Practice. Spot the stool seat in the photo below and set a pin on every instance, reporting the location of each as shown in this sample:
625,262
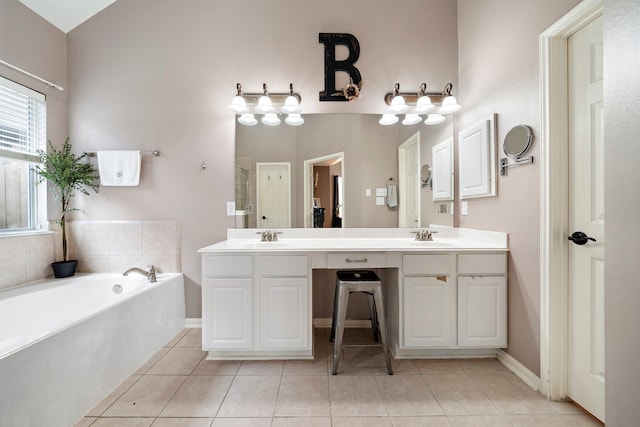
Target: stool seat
366,281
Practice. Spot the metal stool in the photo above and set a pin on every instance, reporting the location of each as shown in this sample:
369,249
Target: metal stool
366,281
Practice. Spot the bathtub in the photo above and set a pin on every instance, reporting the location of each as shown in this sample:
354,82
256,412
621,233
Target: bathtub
66,343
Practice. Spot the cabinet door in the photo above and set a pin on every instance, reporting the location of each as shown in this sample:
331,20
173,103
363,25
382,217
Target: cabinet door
227,313
429,311
284,312
482,311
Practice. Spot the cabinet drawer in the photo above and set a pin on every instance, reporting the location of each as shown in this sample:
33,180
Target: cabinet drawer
469,264
356,260
227,266
428,264
284,265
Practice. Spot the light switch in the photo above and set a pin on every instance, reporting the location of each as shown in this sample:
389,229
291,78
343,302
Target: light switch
367,192
231,208
381,192
464,208
379,201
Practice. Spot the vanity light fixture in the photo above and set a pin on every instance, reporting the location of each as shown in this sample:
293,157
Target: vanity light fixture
434,104
269,104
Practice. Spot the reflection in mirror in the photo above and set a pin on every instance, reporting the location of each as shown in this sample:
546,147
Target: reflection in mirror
370,158
517,141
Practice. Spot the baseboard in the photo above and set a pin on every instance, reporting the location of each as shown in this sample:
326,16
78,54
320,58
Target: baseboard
193,322
529,378
322,322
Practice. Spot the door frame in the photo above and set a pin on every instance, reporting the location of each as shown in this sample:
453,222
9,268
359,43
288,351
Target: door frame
554,191
307,200
413,140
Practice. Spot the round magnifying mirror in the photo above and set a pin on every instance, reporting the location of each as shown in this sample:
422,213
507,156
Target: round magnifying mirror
425,174
517,141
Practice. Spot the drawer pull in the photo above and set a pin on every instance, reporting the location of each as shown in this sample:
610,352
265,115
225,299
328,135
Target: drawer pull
356,260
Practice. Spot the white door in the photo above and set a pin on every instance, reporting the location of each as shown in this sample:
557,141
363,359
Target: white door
409,185
586,215
273,195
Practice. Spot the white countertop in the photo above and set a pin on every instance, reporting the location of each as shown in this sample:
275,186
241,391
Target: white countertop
360,240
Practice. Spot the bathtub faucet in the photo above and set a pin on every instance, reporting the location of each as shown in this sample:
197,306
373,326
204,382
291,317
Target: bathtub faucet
151,274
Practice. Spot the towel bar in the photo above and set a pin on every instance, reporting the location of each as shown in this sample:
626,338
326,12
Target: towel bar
156,153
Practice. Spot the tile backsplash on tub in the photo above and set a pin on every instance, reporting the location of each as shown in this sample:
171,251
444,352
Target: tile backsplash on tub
99,246
115,246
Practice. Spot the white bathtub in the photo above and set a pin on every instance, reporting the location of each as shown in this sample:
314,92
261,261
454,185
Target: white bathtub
66,343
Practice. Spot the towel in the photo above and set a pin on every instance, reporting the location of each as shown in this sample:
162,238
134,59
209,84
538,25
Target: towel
119,168
392,195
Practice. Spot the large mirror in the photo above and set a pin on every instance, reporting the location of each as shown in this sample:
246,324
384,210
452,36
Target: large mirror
343,168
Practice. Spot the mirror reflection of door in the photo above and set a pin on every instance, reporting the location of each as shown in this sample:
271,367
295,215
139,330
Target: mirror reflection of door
273,195
323,177
409,182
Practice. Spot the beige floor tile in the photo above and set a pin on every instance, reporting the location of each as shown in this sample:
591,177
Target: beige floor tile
193,338
458,395
122,422
400,367
178,361
303,396
261,367
242,422
85,422
438,366
361,422
217,367
406,395
317,366
113,396
511,395
251,396
173,341
566,408
353,395
182,422
152,361
481,365
553,420
301,421
436,421
482,421
199,396
146,397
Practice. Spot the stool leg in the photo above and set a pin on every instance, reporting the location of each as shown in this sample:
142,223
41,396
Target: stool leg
341,315
382,324
335,312
374,315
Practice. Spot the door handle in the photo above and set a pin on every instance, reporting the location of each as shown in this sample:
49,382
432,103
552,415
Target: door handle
580,238
264,217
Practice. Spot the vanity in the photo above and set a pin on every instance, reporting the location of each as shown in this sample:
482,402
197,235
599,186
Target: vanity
443,298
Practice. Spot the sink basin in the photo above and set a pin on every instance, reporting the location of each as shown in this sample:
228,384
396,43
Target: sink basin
265,245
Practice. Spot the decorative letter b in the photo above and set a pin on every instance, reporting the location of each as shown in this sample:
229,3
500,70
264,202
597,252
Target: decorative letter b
330,40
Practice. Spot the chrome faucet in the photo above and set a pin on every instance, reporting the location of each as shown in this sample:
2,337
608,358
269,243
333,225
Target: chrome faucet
269,236
424,235
151,274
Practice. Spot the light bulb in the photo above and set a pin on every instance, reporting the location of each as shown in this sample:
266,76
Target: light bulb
388,119
411,119
449,105
294,119
398,106
424,105
434,119
248,120
291,105
238,105
264,105
270,119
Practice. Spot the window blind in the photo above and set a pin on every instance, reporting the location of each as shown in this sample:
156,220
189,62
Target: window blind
22,121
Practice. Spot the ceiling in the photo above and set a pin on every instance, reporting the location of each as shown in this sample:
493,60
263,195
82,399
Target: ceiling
66,14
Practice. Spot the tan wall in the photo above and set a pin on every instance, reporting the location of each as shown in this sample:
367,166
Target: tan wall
622,228
498,73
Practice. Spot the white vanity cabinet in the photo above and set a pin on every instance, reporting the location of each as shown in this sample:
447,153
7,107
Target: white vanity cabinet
482,300
428,300
284,310
227,302
256,305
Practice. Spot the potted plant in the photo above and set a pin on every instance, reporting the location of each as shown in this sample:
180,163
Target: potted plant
68,175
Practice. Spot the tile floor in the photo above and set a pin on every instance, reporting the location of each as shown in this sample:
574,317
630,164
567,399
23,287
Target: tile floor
178,387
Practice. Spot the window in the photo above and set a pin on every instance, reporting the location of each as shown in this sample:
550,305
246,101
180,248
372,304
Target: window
22,133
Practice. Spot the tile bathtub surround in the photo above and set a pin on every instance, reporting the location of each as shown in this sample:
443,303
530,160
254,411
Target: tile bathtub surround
115,246
179,387
25,258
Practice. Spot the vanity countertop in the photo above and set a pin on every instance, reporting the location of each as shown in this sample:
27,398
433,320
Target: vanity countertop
361,240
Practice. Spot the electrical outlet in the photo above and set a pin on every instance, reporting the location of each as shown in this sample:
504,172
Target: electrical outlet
231,208
367,192
464,209
379,201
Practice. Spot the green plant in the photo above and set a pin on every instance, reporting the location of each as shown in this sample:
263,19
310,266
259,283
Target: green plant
68,174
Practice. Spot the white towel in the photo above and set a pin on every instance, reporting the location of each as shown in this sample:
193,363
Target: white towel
392,195
119,168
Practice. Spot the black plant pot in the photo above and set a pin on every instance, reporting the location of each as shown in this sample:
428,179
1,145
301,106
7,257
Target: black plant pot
64,268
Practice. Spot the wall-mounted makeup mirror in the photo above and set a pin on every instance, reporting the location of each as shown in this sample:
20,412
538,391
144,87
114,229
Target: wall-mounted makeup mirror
368,155
425,175
516,143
